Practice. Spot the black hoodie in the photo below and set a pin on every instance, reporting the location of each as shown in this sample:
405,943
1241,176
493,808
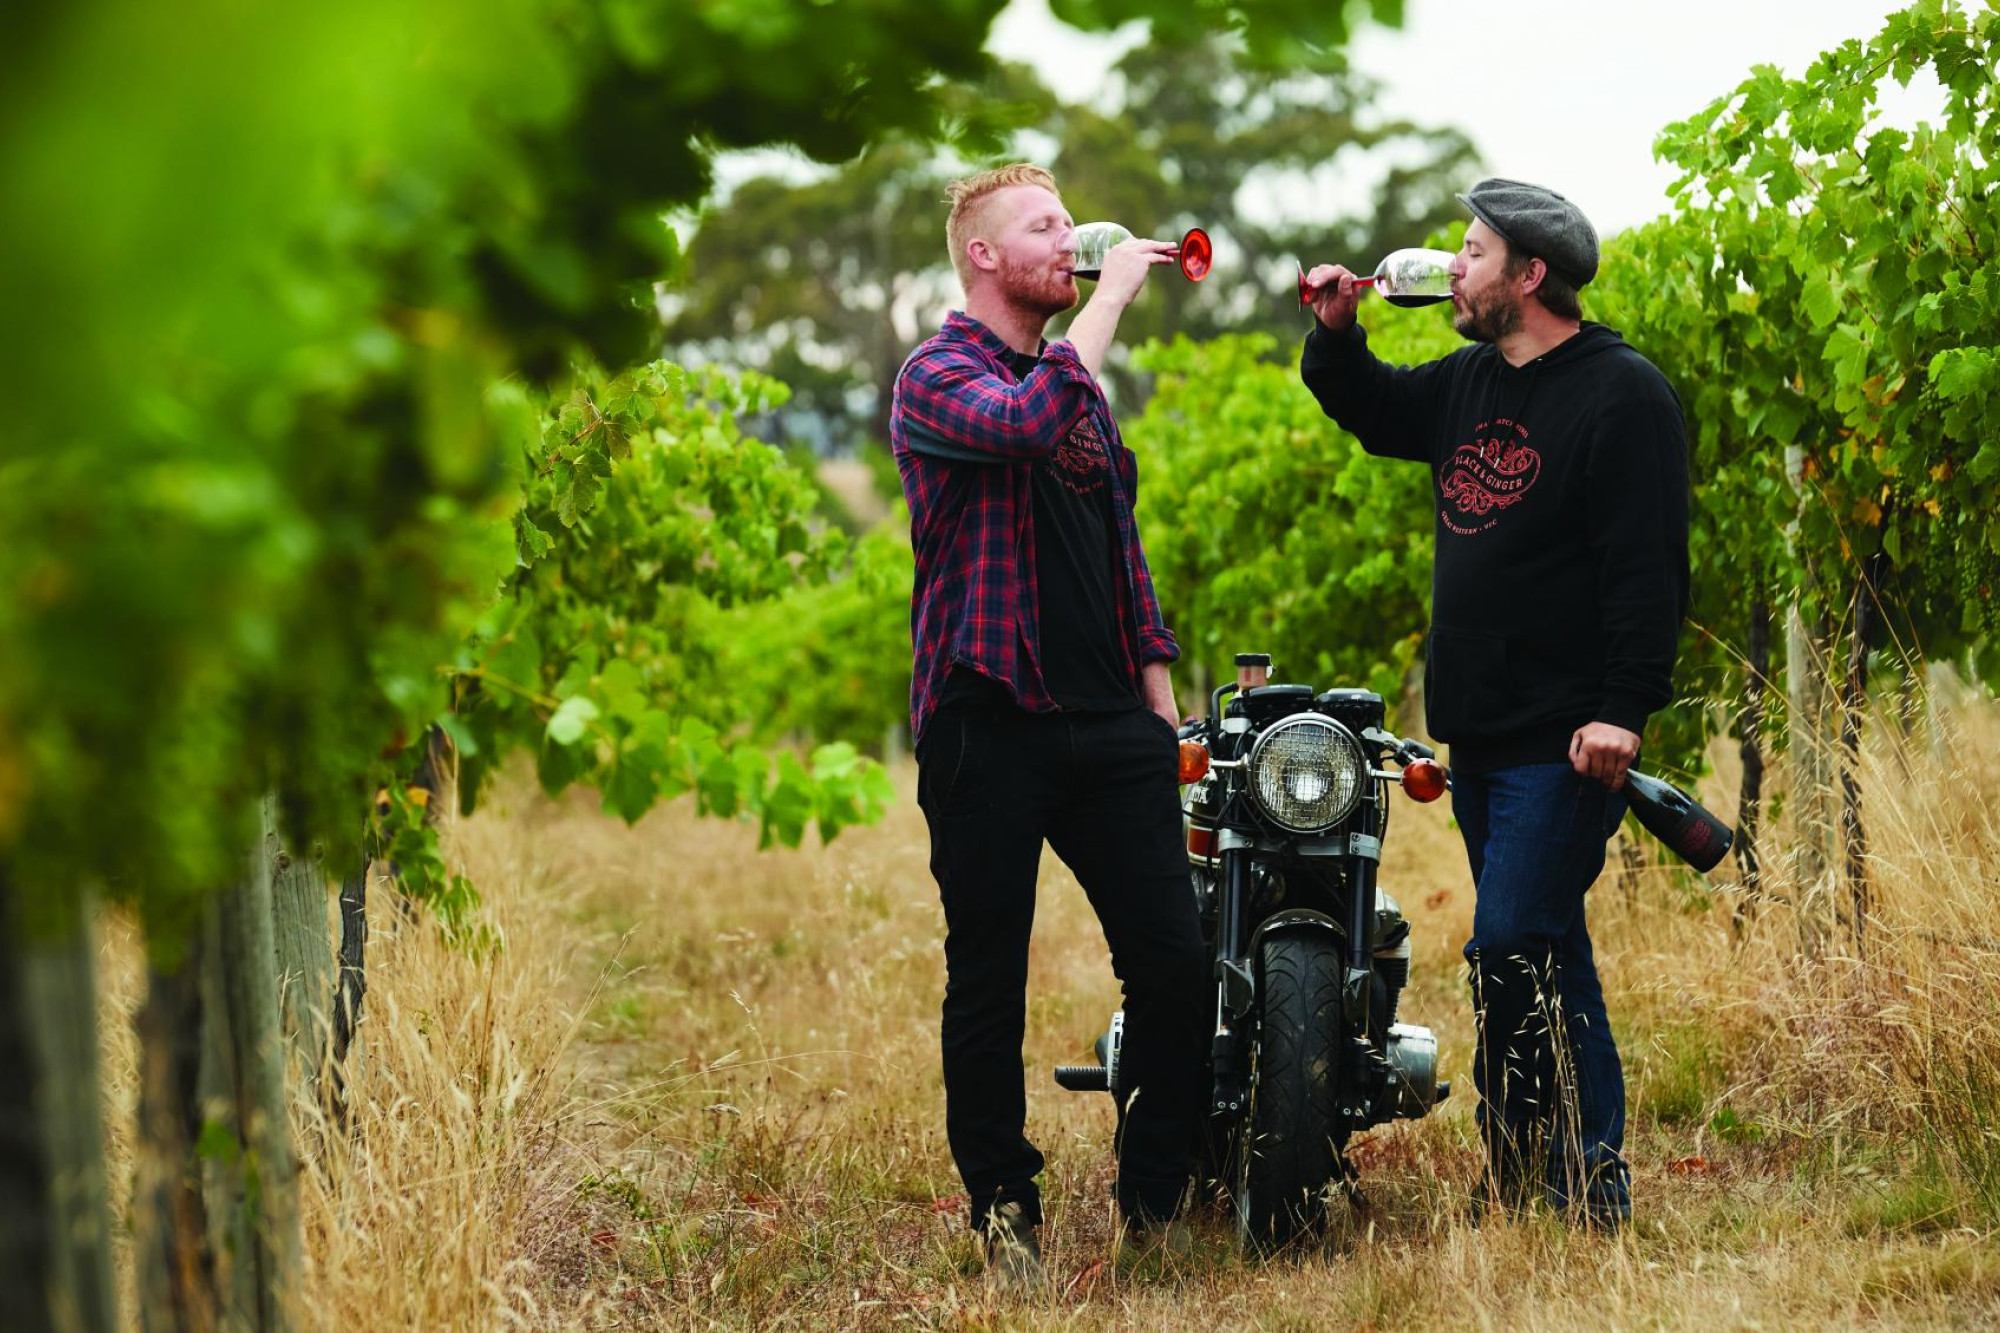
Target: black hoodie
1562,513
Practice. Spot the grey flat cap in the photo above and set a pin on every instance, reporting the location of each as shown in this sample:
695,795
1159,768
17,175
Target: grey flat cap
1537,221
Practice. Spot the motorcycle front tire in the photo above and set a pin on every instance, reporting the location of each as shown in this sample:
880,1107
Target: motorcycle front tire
1294,1132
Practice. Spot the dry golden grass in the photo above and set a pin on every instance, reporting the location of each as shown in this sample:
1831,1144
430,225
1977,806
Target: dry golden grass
699,1086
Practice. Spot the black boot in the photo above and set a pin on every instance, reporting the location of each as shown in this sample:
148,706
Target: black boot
1013,1254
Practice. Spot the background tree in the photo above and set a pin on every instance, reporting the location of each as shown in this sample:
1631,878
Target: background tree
1273,162
1267,527
824,284
828,283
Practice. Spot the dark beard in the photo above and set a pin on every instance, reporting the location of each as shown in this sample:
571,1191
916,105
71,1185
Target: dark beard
1039,290
1488,321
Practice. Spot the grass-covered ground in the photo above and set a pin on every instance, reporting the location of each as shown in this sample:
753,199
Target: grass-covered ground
699,1085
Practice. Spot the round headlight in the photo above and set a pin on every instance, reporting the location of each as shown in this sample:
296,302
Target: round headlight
1306,773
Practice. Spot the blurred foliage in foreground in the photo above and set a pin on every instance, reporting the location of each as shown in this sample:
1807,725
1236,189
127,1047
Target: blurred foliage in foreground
306,439
263,268
256,479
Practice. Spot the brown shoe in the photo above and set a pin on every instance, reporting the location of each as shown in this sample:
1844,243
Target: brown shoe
1013,1254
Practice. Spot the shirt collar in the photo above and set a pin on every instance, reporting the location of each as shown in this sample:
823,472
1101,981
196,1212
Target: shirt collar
961,325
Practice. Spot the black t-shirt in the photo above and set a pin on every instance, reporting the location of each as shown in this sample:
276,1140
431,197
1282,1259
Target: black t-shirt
1076,563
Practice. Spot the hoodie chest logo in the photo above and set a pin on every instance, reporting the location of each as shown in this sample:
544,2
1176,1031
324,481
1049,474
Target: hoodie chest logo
1482,480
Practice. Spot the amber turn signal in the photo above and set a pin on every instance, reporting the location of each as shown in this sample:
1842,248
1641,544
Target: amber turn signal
1423,779
1194,761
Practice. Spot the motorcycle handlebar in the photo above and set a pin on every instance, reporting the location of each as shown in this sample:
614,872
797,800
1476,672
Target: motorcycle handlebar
1403,750
1400,748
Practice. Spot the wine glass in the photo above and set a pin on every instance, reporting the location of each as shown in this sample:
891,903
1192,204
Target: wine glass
1404,277
1196,254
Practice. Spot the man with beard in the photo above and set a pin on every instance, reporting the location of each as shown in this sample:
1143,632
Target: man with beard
1560,581
1040,702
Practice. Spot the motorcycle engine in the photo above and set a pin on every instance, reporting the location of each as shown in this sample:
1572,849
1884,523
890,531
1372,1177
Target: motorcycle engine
1410,1051
1392,951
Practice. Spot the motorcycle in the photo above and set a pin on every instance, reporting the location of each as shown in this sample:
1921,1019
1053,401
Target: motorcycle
1285,806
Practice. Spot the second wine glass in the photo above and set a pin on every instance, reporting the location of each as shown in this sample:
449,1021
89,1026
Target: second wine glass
1404,277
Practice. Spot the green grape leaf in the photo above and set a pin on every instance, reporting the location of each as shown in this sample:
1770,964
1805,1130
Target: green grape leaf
1821,300
572,720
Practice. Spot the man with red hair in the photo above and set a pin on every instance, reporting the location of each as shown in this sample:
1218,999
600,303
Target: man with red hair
1041,705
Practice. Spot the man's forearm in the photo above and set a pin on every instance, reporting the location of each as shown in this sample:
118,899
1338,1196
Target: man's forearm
1118,284
1157,689
1391,410
1091,333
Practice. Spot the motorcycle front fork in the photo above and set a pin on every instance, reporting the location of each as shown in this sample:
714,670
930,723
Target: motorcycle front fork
1235,986
1235,975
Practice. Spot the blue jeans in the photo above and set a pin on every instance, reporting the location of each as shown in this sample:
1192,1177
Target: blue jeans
1551,1088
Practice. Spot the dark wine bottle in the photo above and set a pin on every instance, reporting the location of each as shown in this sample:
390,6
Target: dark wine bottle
1678,820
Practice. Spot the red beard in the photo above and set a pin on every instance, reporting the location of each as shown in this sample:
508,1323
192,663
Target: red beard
1043,289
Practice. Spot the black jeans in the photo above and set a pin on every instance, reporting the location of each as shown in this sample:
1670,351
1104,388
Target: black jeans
1102,789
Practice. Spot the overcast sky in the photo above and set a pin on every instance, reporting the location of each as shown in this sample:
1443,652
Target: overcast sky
1567,93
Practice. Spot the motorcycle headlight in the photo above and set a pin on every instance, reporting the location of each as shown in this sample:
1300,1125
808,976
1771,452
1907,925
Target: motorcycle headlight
1307,773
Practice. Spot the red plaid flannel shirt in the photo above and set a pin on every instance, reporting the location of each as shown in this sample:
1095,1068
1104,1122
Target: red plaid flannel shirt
967,435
